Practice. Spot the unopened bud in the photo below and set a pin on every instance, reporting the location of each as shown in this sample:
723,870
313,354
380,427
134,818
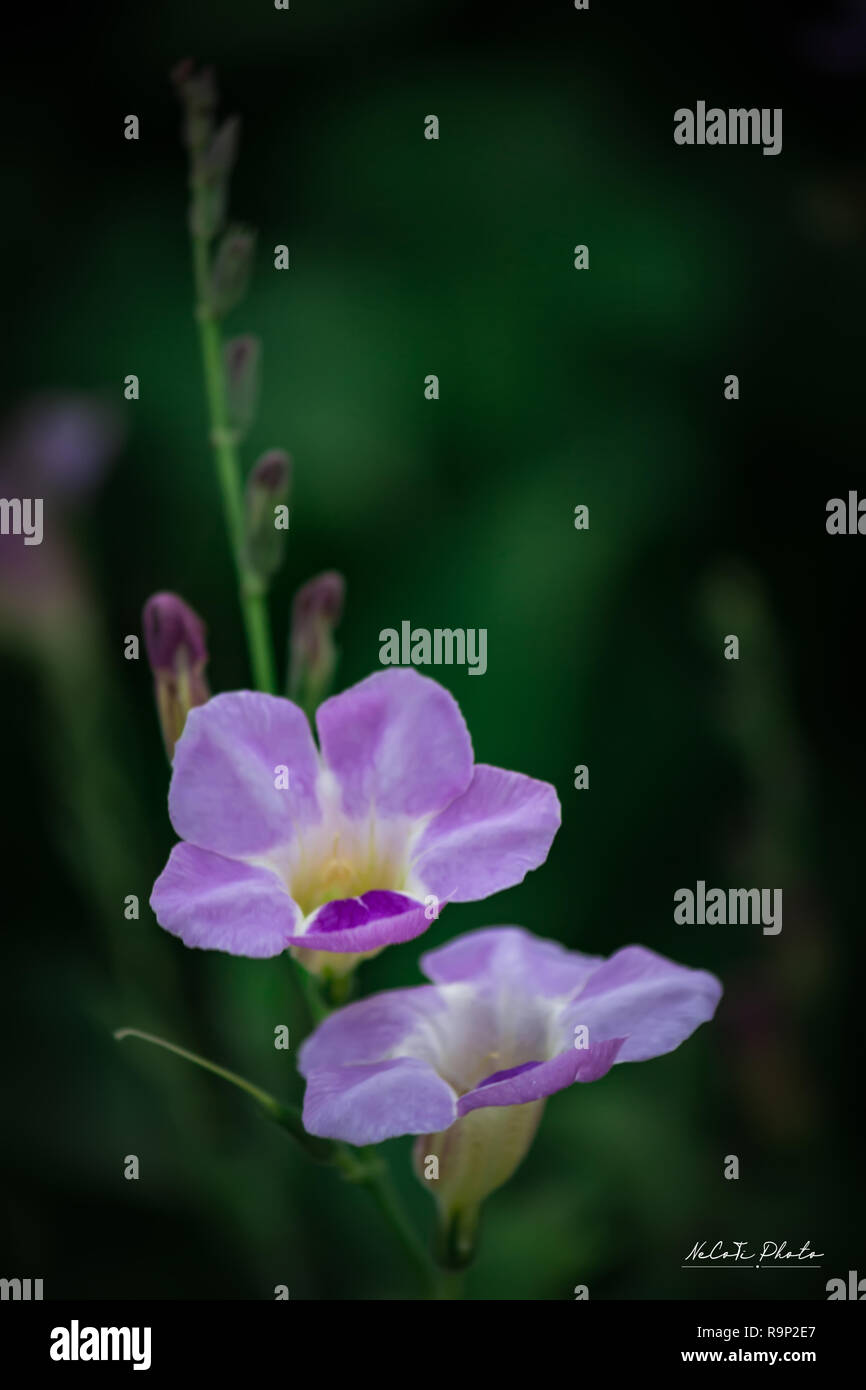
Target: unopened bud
242,358
316,610
231,269
197,92
175,639
266,516
475,1156
220,156
207,211
196,88
210,180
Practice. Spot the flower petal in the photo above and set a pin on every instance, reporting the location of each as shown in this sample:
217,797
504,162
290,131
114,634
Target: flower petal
497,955
370,1029
652,1002
396,741
223,905
223,793
378,918
535,1080
490,837
366,1104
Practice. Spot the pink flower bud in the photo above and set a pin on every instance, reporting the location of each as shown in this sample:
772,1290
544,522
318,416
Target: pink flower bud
220,156
197,93
174,636
266,516
242,357
231,269
316,610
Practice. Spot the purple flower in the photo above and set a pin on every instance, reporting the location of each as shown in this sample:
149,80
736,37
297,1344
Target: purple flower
339,852
496,1028
467,1062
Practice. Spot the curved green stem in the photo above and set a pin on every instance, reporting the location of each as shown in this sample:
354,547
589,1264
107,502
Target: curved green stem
288,1117
263,1097
361,1166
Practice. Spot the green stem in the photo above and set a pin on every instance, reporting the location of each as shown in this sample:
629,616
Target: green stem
252,597
359,1166
369,1171
263,1097
456,1238
288,1117
309,987
340,989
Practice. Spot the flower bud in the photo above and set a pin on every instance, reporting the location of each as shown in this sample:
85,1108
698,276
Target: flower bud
475,1155
242,375
231,269
316,611
197,92
175,639
219,158
207,210
266,512
210,180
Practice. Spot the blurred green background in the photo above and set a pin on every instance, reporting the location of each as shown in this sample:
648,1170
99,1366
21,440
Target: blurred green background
604,387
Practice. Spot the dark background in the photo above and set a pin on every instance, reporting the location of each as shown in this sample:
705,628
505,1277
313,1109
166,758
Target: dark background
604,647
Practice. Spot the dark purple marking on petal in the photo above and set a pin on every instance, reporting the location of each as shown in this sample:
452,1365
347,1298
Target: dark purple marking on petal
368,923
504,1075
347,913
541,1079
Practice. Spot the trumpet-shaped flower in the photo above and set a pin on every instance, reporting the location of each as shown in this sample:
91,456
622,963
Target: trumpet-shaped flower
340,850
468,1061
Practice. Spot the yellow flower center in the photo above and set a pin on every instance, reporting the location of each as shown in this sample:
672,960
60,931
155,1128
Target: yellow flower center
342,869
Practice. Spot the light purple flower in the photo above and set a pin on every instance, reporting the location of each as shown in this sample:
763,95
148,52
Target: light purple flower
371,835
498,1027
467,1062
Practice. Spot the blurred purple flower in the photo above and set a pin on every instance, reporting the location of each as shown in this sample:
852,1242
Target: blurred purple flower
60,446
839,45
56,448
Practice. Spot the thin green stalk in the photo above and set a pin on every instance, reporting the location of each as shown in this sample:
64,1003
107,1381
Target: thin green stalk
263,1097
309,988
363,1166
288,1117
371,1172
252,598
